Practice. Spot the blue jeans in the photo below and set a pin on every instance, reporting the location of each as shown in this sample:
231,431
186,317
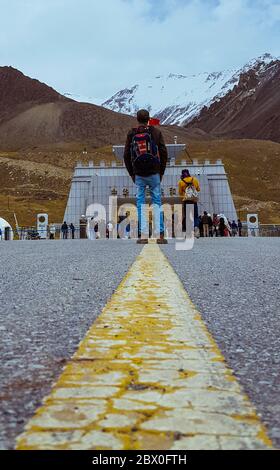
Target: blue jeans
153,183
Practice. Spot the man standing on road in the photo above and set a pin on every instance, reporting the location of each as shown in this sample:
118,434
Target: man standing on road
210,224
145,158
216,225
234,228
64,230
240,226
72,228
205,221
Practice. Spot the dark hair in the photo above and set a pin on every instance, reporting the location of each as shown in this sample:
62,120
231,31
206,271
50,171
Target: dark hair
185,173
143,116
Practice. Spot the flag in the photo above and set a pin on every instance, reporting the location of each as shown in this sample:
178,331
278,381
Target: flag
154,122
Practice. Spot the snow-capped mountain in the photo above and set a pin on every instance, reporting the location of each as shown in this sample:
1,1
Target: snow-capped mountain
250,111
177,99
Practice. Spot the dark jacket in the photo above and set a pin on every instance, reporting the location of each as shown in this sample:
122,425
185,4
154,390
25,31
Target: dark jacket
159,141
205,220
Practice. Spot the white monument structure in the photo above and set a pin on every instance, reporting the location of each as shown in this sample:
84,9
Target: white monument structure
95,183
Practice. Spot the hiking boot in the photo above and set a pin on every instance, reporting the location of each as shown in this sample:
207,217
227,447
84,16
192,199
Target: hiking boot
142,241
161,240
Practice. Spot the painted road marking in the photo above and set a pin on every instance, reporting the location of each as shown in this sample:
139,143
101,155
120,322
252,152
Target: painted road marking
148,375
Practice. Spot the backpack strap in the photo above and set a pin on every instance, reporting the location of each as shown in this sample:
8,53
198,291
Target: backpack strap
134,131
185,182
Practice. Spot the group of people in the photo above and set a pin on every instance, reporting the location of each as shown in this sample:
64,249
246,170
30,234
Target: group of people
66,230
218,226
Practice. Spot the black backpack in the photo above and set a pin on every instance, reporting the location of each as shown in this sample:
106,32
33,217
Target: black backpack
144,152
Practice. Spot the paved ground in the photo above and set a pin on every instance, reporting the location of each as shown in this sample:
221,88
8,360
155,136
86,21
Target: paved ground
235,285
50,294
147,376
45,314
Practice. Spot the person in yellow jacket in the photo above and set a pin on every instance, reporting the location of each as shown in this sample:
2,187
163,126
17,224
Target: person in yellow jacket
185,181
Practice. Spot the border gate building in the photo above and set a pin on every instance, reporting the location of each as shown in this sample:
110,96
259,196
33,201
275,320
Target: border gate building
94,184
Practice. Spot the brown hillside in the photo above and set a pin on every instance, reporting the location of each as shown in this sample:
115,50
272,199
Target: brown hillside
34,115
19,93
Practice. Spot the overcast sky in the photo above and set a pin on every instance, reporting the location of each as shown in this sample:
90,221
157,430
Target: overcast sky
96,47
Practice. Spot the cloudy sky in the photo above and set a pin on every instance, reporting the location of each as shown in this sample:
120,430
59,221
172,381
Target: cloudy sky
96,47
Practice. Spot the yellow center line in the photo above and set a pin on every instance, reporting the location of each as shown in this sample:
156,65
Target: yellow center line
148,375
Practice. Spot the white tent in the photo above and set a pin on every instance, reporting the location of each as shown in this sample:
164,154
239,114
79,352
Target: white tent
6,228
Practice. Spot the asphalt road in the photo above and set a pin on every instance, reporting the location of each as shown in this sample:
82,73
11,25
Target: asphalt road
50,294
235,285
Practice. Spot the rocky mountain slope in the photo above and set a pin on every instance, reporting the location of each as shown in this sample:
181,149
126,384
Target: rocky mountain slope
250,110
34,115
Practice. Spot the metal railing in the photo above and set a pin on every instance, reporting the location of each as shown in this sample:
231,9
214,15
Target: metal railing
31,233
269,230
